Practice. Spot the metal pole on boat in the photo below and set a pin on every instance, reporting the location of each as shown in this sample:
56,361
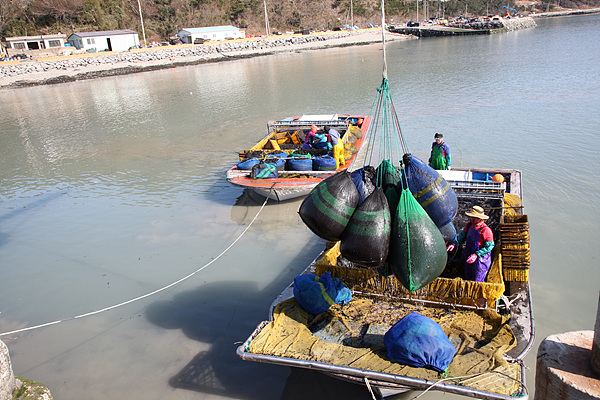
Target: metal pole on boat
568,365
383,38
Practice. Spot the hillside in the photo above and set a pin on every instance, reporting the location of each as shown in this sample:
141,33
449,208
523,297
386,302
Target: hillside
163,18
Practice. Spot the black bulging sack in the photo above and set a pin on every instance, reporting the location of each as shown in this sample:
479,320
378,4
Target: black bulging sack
366,238
329,206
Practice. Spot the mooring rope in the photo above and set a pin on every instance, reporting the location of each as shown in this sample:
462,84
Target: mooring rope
151,293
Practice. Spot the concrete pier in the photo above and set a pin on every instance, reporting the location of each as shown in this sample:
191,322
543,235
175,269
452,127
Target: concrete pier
567,366
483,28
596,344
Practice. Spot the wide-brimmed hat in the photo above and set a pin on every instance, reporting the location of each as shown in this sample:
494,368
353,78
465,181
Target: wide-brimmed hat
477,212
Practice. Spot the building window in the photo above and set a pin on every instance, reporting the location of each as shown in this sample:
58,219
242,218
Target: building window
19,45
91,41
53,43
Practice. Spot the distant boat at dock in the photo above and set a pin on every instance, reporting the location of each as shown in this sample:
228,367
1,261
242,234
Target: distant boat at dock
465,27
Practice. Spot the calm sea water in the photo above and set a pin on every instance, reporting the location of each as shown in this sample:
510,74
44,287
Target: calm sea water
113,188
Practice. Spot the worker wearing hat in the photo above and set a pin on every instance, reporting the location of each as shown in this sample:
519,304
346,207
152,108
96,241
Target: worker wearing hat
440,153
478,247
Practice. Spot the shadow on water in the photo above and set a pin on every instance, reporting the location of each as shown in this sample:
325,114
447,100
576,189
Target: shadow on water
19,207
215,314
223,314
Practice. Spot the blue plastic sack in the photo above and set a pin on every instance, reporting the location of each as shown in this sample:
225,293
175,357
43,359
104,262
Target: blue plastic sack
431,190
419,341
365,182
316,294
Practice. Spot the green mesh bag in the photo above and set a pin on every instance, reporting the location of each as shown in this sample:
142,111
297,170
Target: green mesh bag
388,178
417,252
387,175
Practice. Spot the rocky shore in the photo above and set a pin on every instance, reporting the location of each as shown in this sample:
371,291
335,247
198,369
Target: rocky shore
51,70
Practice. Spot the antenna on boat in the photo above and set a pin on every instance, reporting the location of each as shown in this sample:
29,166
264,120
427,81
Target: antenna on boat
385,139
383,38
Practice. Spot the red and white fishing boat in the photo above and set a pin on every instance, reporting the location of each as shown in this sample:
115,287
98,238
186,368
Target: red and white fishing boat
288,135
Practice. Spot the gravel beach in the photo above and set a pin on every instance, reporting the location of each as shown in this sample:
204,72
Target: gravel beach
52,70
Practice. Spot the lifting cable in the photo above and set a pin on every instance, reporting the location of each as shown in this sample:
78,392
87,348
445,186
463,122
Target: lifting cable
153,292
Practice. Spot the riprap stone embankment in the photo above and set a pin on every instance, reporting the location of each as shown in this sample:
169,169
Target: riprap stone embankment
85,66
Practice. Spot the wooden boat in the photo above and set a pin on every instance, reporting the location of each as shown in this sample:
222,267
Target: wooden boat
351,349
288,135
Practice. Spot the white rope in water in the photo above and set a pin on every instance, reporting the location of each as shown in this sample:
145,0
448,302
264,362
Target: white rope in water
148,294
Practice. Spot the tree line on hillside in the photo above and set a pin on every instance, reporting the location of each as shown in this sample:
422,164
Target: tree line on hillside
164,18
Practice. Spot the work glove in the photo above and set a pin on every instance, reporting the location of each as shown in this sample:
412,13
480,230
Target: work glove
471,259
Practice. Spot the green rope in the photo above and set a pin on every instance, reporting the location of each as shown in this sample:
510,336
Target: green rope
386,140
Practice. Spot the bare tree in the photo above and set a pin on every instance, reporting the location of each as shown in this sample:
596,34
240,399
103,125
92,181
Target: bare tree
58,9
10,10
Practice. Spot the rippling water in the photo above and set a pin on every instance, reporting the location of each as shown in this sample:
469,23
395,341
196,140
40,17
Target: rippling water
115,187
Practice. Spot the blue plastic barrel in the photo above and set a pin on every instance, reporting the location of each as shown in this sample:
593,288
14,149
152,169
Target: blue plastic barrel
248,163
324,163
301,163
279,163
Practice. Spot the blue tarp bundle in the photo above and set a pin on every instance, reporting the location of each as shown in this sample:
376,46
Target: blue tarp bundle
419,341
316,294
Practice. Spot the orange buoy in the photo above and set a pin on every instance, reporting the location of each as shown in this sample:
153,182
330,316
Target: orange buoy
498,178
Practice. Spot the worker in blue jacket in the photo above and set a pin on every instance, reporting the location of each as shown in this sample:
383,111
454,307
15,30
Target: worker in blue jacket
440,153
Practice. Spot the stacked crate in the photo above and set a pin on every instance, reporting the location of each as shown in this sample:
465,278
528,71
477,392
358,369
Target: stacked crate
514,241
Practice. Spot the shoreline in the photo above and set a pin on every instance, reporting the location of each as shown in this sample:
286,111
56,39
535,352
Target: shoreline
55,70
62,69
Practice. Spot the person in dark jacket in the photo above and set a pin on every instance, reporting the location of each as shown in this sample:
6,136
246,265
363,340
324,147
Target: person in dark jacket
440,153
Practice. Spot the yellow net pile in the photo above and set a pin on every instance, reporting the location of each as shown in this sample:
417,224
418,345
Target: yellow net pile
456,291
512,204
352,336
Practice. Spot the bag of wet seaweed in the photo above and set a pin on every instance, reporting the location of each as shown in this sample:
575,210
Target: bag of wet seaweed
389,178
387,175
366,239
431,190
316,294
364,180
329,206
419,341
417,252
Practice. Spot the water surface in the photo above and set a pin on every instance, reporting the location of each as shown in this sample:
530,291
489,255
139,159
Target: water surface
115,187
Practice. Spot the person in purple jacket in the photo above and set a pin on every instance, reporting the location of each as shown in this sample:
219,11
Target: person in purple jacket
479,242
